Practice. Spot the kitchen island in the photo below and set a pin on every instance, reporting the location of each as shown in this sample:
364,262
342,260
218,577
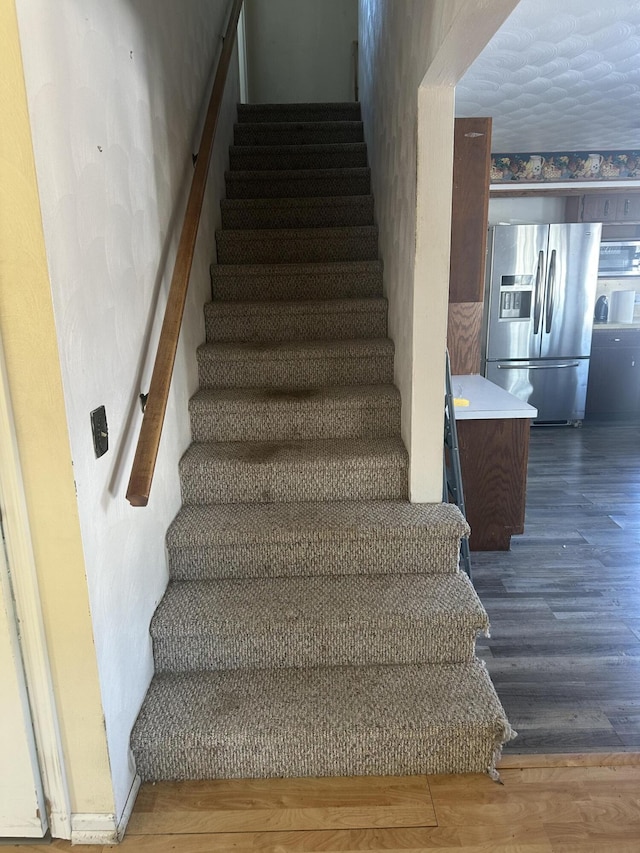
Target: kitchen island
493,436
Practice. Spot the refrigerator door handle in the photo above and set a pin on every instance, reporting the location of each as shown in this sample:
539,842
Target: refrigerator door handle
551,292
537,366
537,312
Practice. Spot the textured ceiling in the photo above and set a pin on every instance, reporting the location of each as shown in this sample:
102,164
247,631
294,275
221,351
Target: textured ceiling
560,76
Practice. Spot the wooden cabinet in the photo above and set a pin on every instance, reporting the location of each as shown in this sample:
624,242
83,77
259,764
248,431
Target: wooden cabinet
614,374
493,459
612,207
469,216
599,208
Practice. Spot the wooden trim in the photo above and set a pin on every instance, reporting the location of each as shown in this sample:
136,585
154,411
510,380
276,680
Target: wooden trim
561,190
146,454
512,761
33,642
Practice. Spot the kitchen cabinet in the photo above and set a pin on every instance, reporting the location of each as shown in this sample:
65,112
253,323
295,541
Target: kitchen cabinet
469,216
493,438
618,207
614,374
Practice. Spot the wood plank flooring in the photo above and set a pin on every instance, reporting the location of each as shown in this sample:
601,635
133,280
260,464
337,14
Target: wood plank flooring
536,809
564,603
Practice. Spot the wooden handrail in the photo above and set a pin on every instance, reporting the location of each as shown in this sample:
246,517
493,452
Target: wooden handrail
144,461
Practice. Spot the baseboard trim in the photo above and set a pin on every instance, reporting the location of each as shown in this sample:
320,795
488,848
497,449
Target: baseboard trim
103,829
90,828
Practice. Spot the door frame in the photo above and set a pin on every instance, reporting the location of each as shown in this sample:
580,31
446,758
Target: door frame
33,643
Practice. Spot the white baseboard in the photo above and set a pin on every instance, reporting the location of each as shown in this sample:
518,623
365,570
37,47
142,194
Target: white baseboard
94,829
103,828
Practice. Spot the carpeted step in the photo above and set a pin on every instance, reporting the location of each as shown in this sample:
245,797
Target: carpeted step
262,282
319,212
327,156
294,183
324,721
298,133
320,111
336,319
293,539
298,245
296,364
259,414
317,470
316,621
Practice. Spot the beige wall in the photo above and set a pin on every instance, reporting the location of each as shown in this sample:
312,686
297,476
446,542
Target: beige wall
29,337
300,50
411,55
116,94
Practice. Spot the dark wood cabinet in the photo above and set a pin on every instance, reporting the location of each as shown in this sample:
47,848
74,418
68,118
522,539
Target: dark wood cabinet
614,374
469,216
493,459
613,207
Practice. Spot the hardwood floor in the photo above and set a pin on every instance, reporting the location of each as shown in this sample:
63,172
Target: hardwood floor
538,808
564,603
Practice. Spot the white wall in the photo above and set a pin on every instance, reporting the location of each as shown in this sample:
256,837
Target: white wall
301,50
411,55
524,211
115,96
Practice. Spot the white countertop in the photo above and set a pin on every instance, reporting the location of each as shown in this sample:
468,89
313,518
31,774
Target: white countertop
487,401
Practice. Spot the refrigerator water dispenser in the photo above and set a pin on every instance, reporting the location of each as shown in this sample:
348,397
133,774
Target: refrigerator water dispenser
515,297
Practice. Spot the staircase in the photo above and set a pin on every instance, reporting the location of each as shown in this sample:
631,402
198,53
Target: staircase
315,622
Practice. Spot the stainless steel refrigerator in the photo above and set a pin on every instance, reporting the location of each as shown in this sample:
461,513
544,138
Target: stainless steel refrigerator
539,314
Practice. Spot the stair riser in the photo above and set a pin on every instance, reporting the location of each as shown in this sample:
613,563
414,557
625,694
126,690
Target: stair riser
255,113
295,133
238,214
443,639
236,248
304,157
211,422
271,286
319,554
270,185
296,373
296,327
325,753
329,480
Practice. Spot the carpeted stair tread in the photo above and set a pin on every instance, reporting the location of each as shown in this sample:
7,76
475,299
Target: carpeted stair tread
324,721
292,183
260,414
296,364
317,621
297,245
327,538
274,282
293,321
318,111
314,156
297,132
277,213
311,470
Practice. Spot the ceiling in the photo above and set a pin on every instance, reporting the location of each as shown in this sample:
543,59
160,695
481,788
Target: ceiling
560,76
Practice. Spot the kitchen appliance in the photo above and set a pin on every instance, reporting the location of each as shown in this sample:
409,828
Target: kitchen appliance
539,314
601,314
619,258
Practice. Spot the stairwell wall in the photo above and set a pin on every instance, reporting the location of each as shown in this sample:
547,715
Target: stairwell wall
411,56
116,94
301,50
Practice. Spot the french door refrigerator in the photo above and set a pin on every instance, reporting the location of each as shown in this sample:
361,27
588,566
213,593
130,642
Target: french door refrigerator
539,314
